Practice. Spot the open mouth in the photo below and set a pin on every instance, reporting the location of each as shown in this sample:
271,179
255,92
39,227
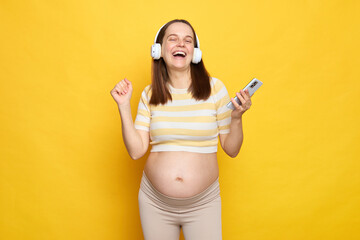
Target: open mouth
179,54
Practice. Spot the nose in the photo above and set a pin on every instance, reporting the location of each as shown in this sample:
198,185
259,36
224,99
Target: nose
181,43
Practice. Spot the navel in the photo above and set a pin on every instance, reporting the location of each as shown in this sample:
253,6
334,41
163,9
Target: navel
179,179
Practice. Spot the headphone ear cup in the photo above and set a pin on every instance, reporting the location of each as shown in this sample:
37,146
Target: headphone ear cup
156,51
197,56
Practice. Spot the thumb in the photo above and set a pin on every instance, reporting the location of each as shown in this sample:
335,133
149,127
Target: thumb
127,81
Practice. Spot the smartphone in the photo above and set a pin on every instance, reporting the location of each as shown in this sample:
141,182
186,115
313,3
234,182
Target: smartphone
252,86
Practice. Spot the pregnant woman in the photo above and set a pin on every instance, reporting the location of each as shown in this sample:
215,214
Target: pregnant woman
181,114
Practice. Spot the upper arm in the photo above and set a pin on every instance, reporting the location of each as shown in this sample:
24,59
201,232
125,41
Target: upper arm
142,120
223,113
143,116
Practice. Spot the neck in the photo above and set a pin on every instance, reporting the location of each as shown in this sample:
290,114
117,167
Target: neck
180,79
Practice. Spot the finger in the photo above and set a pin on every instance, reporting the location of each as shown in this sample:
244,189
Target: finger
119,90
244,94
242,100
122,83
124,86
247,94
113,91
127,84
127,81
236,105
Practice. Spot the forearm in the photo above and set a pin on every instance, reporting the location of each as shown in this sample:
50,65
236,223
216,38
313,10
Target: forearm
234,139
132,139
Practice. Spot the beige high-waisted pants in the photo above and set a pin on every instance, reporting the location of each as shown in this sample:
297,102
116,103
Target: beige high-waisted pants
163,216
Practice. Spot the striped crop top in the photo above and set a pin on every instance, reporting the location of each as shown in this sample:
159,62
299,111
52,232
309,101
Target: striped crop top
185,124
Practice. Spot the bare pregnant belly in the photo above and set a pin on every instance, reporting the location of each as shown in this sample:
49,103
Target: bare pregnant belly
181,174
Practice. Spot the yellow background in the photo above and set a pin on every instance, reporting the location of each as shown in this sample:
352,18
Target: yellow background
64,170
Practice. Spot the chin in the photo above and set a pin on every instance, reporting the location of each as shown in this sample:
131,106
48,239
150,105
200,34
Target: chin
181,65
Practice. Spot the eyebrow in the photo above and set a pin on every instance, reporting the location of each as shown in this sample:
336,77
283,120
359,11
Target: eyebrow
173,34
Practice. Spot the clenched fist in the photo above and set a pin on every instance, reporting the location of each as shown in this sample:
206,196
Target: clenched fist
122,92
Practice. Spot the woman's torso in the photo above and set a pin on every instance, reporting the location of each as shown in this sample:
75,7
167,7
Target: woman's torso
181,174
184,138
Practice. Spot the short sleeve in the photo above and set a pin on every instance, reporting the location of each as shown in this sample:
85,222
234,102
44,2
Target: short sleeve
223,113
142,120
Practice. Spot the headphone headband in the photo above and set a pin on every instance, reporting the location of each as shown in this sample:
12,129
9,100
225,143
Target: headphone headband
157,34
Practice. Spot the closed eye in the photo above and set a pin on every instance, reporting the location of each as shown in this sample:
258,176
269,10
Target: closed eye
172,38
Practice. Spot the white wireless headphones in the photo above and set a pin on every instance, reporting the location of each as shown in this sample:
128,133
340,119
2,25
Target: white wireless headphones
156,49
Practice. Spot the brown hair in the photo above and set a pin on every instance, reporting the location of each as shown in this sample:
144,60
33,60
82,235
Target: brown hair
200,78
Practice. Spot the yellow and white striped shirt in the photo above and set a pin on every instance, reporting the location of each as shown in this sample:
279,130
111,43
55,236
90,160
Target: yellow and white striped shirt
185,124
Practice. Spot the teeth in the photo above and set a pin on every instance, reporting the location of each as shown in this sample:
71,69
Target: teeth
182,53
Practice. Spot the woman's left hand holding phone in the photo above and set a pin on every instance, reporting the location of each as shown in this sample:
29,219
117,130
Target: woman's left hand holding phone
245,100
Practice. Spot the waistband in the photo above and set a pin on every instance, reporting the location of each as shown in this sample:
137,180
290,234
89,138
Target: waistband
209,194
